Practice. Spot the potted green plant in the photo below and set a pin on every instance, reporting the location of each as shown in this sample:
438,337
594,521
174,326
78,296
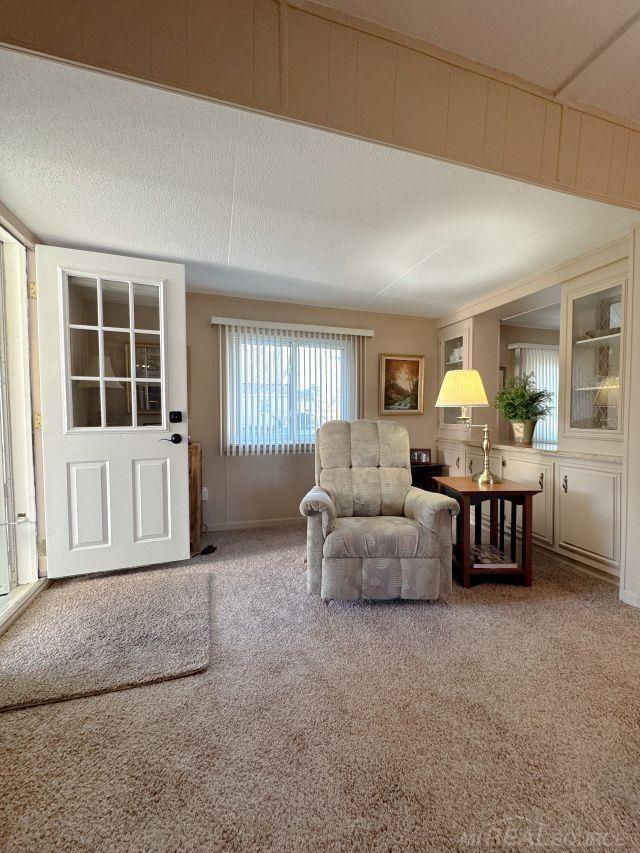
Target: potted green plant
522,403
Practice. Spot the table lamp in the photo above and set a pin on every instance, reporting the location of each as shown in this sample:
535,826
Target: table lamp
460,389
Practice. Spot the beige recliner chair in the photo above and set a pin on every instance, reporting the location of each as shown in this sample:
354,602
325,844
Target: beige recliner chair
370,533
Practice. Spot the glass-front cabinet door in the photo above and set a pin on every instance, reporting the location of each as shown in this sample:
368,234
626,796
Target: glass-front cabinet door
595,354
454,355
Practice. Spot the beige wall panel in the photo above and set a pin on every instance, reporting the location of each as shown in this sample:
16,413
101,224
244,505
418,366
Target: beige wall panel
168,57
524,138
117,35
343,71
375,87
632,174
551,141
220,48
267,54
467,116
618,161
569,146
422,102
35,24
308,64
594,157
496,124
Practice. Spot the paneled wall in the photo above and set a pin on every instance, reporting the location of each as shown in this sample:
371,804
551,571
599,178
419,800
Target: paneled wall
255,488
303,61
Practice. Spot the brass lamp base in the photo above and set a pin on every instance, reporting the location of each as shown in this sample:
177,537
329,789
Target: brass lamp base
485,477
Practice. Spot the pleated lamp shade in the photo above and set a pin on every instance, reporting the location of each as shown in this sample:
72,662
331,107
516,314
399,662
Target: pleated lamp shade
461,388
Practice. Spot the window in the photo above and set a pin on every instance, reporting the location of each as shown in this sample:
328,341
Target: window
280,384
543,362
114,353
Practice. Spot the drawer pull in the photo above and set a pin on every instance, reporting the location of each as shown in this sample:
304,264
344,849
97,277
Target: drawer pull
565,484
541,480
471,466
458,463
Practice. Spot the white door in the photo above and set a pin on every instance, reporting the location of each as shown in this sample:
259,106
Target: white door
536,475
588,500
112,343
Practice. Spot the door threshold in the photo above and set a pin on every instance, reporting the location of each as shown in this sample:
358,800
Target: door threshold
16,602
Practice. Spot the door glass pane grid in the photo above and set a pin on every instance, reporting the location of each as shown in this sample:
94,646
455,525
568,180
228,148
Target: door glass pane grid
104,380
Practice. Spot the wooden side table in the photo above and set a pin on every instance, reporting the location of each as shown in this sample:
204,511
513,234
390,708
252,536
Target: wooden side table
486,560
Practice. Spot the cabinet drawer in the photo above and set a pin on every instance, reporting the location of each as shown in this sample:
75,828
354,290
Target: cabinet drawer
588,511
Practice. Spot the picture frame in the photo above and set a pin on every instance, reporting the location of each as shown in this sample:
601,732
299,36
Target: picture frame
401,384
420,456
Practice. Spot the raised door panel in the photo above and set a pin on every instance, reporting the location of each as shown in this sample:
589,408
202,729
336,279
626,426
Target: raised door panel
537,475
151,499
89,512
588,511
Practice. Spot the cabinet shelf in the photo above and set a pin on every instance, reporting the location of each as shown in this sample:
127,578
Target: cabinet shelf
608,337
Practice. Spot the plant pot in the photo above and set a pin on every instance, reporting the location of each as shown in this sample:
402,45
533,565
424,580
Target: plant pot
523,431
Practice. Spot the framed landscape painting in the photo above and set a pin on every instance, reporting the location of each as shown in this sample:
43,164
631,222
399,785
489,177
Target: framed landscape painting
401,389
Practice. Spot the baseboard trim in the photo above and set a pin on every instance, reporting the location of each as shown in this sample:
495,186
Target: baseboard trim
18,600
629,598
292,521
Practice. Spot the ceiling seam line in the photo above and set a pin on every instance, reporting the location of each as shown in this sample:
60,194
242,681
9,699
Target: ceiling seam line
597,53
406,272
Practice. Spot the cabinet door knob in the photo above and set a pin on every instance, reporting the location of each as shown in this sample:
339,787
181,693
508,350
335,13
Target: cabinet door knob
565,484
541,480
458,463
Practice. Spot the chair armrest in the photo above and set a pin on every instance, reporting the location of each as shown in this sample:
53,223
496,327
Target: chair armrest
319,501
424,507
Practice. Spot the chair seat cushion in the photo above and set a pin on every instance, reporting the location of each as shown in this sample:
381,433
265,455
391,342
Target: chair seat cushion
380,536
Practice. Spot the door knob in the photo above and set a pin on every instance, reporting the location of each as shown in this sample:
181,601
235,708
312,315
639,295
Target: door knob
176,438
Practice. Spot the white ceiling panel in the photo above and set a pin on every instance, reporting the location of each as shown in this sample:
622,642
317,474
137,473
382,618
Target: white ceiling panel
259,207
543,41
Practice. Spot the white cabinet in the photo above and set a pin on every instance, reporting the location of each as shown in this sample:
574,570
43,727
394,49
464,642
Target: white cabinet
537,474
588,500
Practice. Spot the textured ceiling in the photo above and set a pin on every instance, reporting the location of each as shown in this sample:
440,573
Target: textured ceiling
544,41
260,207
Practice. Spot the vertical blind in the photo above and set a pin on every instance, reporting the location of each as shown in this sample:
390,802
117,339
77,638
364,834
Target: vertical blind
544,363
280,384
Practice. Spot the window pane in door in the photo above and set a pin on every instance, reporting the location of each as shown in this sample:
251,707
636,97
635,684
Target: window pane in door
115,303
83,300
84,352
117,354
117,397
147,356
149,397
146,300
85,403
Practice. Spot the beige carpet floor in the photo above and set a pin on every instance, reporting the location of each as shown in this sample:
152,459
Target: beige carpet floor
98,634
503,718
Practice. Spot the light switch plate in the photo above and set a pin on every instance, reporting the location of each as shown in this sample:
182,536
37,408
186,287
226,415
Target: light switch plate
205,493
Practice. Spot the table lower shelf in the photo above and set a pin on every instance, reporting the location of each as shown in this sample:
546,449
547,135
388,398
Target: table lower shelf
488,558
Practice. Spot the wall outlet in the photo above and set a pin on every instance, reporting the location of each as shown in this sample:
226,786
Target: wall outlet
205,493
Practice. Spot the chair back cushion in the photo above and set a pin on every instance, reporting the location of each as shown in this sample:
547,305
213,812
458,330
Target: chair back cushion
364,466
